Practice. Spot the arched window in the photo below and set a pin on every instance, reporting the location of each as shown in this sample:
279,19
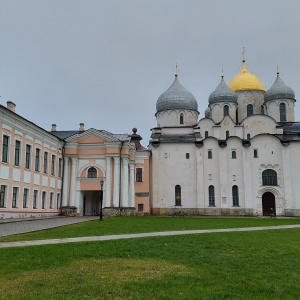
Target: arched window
209,154
233,154
235,195
227,134
211,195
206,134
92,173
249,110
255,153
269,177
248,136
181,118
178,195
282,111
262,111
226,110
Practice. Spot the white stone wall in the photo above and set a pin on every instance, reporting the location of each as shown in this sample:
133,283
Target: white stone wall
171,118
274,111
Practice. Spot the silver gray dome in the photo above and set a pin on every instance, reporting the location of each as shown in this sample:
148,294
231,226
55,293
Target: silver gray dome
222,94
207,113
176,97
279,90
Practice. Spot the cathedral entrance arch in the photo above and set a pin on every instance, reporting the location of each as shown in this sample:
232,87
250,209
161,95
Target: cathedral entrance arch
268,202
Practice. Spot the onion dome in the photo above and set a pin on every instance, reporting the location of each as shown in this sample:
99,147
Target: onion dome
176,97
279,90
222,94
246,81
207,113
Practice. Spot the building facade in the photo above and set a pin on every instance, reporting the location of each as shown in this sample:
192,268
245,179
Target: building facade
240,159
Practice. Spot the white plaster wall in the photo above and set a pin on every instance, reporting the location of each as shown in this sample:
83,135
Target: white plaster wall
294,149
217,111
27,177
256,98
170,118
259,124
274,112
168,172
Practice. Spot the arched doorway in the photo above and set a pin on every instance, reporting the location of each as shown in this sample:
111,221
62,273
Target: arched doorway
268,202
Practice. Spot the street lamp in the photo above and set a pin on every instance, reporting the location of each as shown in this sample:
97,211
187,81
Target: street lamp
101,198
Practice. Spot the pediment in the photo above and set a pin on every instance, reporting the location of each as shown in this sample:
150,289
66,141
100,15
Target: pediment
92,136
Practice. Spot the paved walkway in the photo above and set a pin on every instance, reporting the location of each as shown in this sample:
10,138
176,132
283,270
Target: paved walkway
17,226
138,235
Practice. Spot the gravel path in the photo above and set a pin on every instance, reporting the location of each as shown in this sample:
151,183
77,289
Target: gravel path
10,227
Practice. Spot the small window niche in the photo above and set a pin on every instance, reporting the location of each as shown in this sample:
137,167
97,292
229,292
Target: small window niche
255,153
187,156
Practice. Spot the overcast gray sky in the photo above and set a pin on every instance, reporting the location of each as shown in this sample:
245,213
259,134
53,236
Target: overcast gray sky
105,63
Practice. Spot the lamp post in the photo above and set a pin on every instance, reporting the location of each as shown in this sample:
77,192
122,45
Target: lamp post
101,198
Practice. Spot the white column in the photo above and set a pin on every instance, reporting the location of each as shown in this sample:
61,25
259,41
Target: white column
131,185
124,187
73,182
116,181
108,183
65,194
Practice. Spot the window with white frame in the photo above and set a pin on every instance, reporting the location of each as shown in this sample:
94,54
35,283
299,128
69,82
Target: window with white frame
45,162
37,159
58,203
51,200
28,156
92,172
5,149
44,200
139,174
25,197
59,167
35,199
3,195
15,196
17,153
53,159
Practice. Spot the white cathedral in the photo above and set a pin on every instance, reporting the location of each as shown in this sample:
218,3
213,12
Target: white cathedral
242,158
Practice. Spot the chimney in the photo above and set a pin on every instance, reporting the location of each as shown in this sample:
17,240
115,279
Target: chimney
53,128
81,127
11,106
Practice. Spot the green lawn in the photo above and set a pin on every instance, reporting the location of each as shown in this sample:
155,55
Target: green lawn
235,265
125,225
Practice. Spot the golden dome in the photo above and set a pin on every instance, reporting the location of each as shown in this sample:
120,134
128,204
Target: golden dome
246,81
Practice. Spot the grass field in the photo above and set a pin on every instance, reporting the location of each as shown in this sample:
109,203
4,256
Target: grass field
127,225
236,265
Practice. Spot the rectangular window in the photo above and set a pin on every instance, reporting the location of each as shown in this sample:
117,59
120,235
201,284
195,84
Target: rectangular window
58,204
15,196
46,162
37,159
187,155
43,200
25,198
35,199
53,158
59,167
140,207
27,157
255,153
17,153
5,148
139,174
3,196
51,200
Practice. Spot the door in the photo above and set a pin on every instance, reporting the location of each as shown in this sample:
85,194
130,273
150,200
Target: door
268,202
